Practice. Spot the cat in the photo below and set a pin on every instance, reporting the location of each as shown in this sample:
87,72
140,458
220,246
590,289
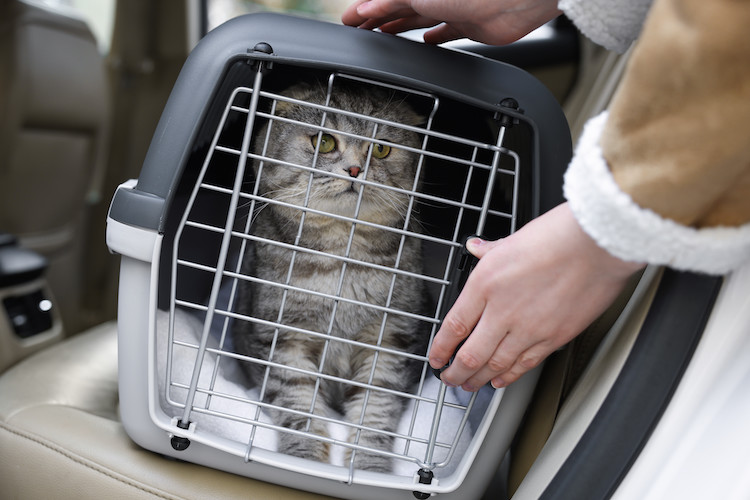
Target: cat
346,156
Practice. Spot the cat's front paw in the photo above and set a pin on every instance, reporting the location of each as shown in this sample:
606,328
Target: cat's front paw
304,447
370,461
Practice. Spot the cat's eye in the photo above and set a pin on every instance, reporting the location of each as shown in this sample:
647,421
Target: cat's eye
380,150
327,143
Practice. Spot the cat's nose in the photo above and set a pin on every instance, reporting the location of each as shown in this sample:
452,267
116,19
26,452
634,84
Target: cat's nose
354,171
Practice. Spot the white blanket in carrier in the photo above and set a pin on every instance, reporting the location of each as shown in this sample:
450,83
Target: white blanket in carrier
233,399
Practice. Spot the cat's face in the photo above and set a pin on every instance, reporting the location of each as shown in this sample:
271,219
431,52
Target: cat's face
340,160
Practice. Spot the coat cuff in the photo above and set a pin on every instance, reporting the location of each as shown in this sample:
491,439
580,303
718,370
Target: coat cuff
632,233
613,24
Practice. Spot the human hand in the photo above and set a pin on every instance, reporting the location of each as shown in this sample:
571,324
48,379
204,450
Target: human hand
529,294
495,22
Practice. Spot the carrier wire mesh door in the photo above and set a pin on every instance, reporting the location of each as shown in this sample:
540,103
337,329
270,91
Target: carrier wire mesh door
192,237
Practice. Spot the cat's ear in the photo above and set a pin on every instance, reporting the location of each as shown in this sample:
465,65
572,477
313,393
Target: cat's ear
302,91
415,119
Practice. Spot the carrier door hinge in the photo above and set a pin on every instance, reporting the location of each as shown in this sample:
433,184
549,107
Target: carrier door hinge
262,65
506,120
425,477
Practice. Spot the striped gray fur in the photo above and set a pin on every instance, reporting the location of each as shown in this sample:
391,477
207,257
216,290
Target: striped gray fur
292,390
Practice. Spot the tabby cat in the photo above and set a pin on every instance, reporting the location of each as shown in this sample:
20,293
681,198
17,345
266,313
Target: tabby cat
347,157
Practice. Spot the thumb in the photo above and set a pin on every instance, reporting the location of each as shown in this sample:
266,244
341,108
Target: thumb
479,247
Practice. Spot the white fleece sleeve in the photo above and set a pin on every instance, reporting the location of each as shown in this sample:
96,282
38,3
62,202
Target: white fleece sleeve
613,24
632,233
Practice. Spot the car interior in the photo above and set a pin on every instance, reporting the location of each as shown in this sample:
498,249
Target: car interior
76,121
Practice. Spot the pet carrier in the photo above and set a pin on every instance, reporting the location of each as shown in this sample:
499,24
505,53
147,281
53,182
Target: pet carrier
491,145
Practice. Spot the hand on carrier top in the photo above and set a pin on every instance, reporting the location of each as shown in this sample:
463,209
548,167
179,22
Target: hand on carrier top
529,294
495,22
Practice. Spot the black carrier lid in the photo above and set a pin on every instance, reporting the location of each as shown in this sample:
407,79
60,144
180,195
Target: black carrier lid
282,39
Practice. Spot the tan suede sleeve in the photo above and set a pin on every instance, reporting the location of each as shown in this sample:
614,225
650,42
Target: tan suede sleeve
677,138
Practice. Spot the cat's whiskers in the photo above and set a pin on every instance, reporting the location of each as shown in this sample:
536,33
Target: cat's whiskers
396,201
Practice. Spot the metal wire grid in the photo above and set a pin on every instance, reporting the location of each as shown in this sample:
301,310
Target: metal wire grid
226,272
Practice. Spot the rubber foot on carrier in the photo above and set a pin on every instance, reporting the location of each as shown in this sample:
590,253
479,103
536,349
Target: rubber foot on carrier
180,443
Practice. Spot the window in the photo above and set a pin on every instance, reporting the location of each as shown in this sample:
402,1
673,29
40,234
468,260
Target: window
219,11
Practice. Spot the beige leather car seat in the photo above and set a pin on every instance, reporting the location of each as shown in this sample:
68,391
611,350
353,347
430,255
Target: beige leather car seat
60,436
53,120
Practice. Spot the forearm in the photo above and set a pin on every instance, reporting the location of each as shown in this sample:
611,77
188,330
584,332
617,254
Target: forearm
665,178
676,139
633,233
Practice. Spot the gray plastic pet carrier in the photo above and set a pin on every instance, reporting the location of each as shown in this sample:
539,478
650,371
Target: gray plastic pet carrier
493,144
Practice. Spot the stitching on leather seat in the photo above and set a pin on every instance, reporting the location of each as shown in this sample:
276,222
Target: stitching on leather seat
81,461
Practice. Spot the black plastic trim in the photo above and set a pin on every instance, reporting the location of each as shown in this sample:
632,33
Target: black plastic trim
622,426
